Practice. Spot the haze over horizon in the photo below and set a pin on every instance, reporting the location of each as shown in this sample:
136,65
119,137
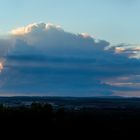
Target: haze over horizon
95,51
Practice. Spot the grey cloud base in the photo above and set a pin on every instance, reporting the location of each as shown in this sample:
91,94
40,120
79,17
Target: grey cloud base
43,59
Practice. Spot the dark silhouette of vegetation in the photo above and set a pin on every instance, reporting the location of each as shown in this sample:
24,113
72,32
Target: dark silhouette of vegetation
43,117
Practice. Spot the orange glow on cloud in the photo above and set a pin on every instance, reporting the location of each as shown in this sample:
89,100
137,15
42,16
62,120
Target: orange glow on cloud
23,30
119,49
1,66
29,28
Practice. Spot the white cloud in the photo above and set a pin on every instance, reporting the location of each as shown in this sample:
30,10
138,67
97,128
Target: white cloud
34,28
45,59
129,50
54,40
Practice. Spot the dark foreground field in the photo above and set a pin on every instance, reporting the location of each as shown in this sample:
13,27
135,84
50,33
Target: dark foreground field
96,117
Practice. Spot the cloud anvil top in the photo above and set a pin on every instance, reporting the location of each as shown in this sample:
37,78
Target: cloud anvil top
44,59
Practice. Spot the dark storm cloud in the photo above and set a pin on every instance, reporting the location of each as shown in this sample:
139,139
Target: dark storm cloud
46,60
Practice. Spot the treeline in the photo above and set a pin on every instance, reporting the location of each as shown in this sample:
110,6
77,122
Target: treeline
42,117
32,112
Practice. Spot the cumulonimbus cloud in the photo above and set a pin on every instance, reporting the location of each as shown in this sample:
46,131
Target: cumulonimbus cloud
44,59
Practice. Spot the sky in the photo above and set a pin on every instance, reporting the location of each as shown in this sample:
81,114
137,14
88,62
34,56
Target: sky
114,20
70,48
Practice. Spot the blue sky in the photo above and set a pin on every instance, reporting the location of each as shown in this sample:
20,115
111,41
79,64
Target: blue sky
114,20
